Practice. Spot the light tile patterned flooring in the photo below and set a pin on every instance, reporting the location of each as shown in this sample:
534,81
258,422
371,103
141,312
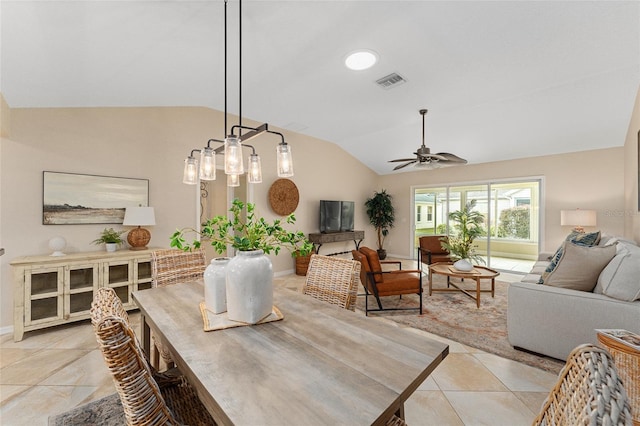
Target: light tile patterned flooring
52,371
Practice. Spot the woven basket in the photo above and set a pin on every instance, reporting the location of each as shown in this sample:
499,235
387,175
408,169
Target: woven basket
627,361
302,264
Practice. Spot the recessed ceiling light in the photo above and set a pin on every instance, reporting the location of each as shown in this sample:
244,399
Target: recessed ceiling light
361,60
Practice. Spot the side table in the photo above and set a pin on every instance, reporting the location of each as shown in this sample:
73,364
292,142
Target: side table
624,347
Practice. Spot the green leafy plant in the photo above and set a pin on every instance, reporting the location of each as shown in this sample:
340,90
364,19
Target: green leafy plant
109,236
246,232
381,214
467,227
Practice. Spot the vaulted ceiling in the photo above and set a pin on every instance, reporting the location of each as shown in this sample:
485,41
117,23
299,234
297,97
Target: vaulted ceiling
501,79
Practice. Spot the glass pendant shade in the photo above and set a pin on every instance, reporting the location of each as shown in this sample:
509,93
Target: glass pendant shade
208,164
233,180
233,156
284,160
255,169
190,175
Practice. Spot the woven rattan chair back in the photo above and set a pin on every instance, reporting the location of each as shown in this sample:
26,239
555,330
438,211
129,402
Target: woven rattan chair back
142,401
170,266
333,280
588,392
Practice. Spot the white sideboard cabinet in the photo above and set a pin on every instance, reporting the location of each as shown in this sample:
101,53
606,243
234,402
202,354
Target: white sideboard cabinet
50,290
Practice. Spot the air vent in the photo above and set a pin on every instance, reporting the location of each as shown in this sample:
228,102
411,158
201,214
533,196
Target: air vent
391,80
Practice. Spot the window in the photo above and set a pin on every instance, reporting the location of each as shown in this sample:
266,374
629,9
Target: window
419,213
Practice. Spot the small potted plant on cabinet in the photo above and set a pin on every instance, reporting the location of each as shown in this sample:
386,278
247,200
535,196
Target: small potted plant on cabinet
381,216
110,238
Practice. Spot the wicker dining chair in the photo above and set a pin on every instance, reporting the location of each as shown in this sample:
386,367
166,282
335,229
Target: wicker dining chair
147,398
333,280
588,392
168,267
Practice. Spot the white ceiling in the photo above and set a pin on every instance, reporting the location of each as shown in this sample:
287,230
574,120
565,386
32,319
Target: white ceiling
501,79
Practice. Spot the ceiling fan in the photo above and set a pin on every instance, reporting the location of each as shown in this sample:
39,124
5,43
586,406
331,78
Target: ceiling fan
424,158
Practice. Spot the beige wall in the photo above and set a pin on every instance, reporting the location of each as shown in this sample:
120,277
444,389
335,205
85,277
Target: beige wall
152,143
149,143
631,172
586,180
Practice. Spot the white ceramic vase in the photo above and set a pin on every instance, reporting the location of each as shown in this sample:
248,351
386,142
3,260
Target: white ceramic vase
215,285
249,287
111,247
463,265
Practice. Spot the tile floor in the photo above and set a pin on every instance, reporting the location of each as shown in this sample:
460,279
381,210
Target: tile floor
52,371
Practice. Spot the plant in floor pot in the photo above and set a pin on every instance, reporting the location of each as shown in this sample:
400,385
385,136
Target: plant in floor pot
249,274
381,215
467,226
110,238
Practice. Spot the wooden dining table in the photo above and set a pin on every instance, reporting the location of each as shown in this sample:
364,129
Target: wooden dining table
319,365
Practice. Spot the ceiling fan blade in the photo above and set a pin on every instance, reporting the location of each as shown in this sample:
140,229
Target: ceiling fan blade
401,160
452,158
404,165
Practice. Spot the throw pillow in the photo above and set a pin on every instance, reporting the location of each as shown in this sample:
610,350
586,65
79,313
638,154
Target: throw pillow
580,238
620,279
580,266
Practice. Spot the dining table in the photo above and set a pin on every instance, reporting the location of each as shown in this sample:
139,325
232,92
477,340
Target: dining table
317,365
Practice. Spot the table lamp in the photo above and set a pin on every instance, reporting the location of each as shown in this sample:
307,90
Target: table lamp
578,218
138,238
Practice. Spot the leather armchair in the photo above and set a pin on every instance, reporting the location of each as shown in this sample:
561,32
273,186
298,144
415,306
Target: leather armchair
431,250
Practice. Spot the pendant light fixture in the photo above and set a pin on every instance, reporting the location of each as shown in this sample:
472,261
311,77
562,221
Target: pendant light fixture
205,169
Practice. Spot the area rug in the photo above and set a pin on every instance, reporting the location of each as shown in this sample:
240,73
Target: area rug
455,316
106,411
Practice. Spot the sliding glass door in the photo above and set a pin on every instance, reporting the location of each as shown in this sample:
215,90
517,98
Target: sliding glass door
511,211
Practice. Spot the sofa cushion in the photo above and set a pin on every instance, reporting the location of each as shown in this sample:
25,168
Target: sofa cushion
580,238
580,266
620,279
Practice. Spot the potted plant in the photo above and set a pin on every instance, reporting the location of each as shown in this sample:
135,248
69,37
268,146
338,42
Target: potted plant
249,275
381,215
467,226
110,238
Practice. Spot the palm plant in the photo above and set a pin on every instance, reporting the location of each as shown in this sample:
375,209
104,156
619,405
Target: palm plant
467,226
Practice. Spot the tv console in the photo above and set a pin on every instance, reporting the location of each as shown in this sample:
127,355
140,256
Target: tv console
319,239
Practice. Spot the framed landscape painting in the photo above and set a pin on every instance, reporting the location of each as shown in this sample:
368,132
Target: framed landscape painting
71,199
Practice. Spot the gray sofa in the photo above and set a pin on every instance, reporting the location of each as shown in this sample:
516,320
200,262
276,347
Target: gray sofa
553,320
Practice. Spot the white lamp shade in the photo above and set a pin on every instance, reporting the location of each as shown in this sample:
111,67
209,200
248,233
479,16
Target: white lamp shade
578,217
139,216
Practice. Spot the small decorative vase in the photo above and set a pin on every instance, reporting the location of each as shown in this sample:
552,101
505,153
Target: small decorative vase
215,285
249,287
463,265
111,247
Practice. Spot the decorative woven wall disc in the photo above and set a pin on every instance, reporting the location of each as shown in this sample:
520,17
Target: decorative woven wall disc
284,197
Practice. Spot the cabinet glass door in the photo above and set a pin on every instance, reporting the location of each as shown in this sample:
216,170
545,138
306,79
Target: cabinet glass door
119,276
44,294
83,282
143,274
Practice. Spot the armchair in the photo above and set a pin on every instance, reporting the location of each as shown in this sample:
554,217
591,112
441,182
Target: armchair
381,283
431,250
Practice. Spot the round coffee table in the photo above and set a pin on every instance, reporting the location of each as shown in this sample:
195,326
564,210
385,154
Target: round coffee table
478,273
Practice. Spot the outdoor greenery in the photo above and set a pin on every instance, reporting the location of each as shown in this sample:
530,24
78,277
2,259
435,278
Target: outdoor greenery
381,214
514,223
467,226
252,233
109,236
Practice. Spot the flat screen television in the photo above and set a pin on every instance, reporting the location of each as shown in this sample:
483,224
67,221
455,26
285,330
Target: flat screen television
336,216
